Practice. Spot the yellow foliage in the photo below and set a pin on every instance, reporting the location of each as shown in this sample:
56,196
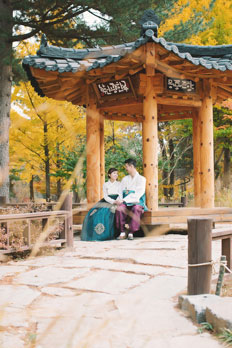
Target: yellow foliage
64,123
219,32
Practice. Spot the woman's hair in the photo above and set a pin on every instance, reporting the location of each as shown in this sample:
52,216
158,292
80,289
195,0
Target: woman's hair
111,170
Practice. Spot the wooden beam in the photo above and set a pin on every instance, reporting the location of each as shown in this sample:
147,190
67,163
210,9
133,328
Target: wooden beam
173,117
227,89
41,74
224,80
174,108
123,117
150,64
170,71
133,109
121,102
179,102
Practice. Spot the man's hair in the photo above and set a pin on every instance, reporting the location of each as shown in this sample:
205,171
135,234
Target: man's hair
131,161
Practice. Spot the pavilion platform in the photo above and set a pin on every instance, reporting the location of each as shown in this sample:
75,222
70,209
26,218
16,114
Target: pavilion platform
171,216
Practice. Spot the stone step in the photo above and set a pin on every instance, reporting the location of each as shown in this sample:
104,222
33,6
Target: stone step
209,308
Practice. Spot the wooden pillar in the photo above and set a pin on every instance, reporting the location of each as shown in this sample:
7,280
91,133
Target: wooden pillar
199,252
207,150
93,151
197,158
102,155
150,132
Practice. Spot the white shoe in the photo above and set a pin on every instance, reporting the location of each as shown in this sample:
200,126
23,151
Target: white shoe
130,236
122,236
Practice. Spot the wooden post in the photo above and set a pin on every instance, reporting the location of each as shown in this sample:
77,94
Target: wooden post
227,251
93,151
220,276
102,155
68,229
199,251
207,150
197,159
150,133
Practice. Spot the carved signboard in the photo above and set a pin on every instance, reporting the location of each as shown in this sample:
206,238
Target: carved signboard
181,85
114,88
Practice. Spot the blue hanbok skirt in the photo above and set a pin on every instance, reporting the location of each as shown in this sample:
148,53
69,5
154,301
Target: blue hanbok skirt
99,223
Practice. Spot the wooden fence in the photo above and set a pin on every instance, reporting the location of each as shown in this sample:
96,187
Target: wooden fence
65,237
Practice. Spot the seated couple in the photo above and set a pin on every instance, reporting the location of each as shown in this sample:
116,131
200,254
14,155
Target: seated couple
122,200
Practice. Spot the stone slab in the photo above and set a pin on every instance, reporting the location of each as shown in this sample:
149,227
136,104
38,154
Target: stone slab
17,296
49,275
14,317
108,282
87,304
57,291
219,313
195,305
208,308
11,270
8,340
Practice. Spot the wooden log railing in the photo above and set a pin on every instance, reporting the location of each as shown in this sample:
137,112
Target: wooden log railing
45,216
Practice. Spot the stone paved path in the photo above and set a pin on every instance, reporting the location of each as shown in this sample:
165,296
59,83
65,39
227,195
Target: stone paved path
116,294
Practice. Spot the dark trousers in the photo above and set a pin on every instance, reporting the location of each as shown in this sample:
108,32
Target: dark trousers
134,212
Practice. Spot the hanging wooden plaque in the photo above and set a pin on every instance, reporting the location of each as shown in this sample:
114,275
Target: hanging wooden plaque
180,85
115,88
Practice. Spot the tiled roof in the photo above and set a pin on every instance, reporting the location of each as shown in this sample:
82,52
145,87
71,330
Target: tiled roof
51,58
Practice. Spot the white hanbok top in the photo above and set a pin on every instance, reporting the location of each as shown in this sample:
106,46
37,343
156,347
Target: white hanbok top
111,188
137,184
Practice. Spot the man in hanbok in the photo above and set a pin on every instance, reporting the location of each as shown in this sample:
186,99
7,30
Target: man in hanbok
132,204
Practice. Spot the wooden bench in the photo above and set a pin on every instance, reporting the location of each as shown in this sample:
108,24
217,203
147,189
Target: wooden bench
225,234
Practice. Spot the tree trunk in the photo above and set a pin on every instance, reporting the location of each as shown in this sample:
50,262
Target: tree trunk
226,177
5,95
58,166
58,189
32,195
172,163
47,162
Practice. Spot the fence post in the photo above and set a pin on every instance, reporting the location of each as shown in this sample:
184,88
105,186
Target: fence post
67,205
227,251
199,251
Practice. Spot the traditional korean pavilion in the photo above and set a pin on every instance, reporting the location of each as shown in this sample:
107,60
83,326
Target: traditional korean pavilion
148,81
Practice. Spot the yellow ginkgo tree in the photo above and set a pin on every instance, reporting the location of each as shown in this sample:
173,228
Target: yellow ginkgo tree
40,128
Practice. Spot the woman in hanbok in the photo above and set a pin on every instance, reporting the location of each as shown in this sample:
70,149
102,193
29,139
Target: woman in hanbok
99,223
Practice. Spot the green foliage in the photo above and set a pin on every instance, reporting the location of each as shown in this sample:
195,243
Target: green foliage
222,118
226,336
205,326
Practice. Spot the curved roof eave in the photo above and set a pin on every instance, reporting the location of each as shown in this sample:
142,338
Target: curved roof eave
52,58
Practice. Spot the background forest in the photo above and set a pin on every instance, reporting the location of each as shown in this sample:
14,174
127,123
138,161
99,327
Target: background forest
47,138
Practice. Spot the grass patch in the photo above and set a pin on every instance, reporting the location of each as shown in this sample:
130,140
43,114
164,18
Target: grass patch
226,336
